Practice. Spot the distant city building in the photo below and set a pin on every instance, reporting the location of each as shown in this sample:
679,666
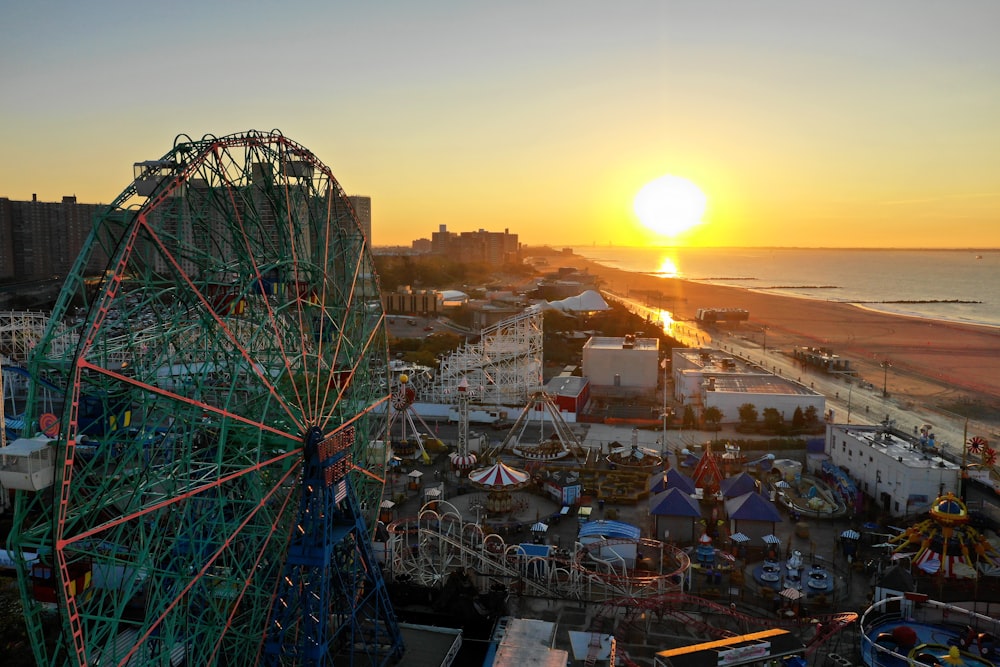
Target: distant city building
363,209
422,246
407,301
897,471
565,282
705,377
39,240
492,248
622,364
486,314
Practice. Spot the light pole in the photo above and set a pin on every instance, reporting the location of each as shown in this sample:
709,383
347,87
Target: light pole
850,390
764,331
663,365
885,377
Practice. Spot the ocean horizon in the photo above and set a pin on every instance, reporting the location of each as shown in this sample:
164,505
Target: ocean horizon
959,285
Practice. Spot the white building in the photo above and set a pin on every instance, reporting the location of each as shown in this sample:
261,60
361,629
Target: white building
622,362
892,469
705,377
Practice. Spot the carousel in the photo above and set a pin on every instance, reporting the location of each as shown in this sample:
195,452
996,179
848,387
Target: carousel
635,456
946,544
499,480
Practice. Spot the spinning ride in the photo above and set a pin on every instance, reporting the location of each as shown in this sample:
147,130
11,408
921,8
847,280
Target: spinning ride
946,543
239,327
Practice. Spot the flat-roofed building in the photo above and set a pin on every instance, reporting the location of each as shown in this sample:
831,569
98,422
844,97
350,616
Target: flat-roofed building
706,377
407,301
898,472
622,362
569,392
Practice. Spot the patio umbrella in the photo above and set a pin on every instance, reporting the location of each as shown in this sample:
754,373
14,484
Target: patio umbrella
771,539
782,484
791,594
850,534
540,527
739,538
416,474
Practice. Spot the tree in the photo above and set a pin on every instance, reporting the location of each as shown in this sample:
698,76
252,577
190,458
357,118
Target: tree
748,414
689,421
772,419
798,418
812,415
712,416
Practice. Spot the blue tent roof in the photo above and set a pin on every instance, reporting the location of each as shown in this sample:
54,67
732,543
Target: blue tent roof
609,529
672,479
737,485
535,549
674,502
752,507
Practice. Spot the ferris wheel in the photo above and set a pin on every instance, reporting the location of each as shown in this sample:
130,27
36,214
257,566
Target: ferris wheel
214,482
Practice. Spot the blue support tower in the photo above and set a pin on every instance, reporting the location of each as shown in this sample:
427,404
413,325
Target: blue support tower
331,605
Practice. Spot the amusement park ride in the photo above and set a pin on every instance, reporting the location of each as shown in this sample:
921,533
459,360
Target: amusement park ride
211,483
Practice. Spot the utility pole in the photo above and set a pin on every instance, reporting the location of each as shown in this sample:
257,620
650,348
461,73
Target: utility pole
885,377
664,415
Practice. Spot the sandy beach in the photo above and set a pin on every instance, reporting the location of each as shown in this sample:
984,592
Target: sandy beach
931,362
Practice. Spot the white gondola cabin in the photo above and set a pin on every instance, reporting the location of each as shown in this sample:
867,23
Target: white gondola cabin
28,464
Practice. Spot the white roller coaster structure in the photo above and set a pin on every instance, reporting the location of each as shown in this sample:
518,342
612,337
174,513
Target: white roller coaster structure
425,549
502,368
20,331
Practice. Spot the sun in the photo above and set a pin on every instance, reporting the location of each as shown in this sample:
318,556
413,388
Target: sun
670,205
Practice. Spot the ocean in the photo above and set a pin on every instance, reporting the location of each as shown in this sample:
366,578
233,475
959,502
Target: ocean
951,285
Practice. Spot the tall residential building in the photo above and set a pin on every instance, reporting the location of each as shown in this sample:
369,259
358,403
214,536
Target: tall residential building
42,239
493,248
363,209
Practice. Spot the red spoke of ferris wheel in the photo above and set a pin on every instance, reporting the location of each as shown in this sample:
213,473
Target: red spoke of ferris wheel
165,612
341,387
256,368
273,320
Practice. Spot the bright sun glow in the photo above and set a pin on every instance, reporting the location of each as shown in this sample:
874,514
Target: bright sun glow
670,205
668,269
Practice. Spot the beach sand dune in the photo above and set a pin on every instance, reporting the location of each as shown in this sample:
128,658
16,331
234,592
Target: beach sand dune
931,361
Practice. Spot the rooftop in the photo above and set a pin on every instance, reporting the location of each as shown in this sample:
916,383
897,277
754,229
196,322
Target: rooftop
759,384
906,451
622,342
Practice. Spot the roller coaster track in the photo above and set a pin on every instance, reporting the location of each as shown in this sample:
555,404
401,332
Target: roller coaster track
443,542
826,625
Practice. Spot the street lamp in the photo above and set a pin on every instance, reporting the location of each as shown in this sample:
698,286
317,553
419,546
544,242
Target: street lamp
885,377
665,414
764,331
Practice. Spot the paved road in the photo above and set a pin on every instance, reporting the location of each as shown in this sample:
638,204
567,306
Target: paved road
856,404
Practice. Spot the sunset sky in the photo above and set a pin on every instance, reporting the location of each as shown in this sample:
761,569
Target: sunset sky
847,124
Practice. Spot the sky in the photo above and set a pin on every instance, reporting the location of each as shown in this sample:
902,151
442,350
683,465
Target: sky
812,124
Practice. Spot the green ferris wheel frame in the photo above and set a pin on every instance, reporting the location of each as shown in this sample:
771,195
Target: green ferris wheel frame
224,310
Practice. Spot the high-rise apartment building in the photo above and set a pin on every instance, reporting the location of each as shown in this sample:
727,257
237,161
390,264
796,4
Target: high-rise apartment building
493,248
42,239
363,209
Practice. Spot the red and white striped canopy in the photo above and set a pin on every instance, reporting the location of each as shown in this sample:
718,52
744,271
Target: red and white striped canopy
954,565
499,476
463,461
